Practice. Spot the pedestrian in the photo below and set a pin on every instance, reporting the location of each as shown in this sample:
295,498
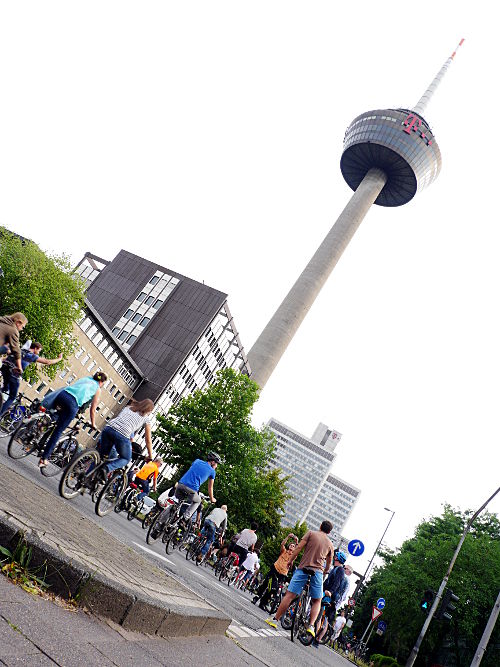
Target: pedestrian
316,561
338,626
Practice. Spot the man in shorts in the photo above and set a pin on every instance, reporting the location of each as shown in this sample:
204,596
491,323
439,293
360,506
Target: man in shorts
315,562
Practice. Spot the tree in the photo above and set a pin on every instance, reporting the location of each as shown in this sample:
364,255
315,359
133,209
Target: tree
42,287
419,565
218,418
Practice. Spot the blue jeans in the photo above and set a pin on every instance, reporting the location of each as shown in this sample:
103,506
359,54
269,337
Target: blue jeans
112,439
68,407
4,349
208,529
10,386
144,485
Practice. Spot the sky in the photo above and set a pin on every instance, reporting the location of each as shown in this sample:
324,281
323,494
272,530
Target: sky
207,137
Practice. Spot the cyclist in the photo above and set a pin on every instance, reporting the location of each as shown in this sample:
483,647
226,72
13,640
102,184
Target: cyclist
69,402
250,565
12,376
119,431
277,572
316,560
215,521
10,326
145,475
189,484
335,587
246,541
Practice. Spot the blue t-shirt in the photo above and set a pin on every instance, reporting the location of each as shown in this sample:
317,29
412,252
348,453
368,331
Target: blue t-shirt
27,357
198,473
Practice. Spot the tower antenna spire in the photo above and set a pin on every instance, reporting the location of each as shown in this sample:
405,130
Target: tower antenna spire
426,97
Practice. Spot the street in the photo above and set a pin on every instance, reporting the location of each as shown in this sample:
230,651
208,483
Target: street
247,628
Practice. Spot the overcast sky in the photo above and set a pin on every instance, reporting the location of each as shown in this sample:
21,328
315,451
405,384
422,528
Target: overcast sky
207,136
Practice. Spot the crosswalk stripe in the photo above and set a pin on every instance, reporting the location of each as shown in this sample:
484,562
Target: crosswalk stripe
251,632
236,630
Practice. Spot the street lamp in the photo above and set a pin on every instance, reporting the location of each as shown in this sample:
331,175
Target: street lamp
363,578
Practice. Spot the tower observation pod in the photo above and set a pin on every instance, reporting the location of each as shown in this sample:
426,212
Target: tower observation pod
389,155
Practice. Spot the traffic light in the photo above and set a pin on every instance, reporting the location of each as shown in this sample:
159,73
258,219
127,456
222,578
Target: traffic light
427,601
447,606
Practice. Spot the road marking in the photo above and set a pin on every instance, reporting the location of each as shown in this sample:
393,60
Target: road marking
237,630
150,551
251,632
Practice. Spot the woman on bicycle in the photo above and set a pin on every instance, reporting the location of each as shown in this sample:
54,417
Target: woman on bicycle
119,431
68,402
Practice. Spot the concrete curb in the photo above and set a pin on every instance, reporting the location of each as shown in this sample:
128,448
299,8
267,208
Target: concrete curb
104,597
70,578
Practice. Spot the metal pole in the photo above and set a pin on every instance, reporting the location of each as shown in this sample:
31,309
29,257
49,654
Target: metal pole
481,647
437,599
378,545
367,628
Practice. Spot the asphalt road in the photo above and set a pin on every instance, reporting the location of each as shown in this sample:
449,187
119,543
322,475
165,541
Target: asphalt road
248,628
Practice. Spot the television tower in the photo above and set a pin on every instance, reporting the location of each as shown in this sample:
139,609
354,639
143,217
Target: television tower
389,155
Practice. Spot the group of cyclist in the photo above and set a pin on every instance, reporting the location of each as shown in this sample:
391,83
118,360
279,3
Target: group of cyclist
116,440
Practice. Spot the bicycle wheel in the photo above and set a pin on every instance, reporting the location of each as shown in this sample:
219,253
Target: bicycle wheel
287,618
327,636
149,518
172,538
110,494
73,477
134,506
24,440
61,455
155,530
11,420
298,618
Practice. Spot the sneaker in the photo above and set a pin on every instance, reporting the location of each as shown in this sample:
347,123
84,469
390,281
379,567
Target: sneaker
310,631
272,622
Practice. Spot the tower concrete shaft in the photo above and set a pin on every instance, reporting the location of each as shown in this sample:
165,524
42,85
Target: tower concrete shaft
274,339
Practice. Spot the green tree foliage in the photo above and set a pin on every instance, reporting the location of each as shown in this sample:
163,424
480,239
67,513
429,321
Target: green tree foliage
421,564
218,418
43,288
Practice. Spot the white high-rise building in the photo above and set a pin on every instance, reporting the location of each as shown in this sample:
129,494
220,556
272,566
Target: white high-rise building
316,493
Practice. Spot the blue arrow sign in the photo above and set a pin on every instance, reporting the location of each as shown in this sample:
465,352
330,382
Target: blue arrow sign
380,603
355,547
382,626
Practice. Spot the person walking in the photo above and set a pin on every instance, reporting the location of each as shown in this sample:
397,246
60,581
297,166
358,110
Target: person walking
316,561
69,403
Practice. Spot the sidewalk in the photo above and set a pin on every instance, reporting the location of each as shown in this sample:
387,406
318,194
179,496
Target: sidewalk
38,633
80,559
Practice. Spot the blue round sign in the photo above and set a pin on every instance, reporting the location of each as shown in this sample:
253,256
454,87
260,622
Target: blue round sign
380,603
355,547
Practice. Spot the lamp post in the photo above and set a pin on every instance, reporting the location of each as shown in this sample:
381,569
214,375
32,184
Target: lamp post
363,578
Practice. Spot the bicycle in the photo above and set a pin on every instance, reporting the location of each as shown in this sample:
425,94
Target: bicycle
32,434
134,506
86,473
308,639
17,412
300,620
229,567
151,516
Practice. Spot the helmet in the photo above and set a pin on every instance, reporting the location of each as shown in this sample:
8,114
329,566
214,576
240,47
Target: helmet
341,557
212,456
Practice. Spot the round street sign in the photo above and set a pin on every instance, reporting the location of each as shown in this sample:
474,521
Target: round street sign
380,603
351,602
355,547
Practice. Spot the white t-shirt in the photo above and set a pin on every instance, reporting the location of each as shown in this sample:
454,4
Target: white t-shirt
340,621
247,538
128,422
251,561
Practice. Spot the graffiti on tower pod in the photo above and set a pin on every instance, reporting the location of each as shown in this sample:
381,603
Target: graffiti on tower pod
412,123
